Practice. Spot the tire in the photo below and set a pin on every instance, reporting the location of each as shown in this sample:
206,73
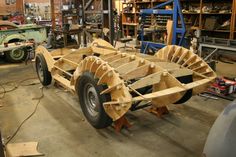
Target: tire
42,70
16,56
188,94
91,101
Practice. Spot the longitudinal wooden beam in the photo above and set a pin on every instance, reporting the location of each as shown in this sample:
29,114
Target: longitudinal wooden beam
139,72
147,81
158,94
128,67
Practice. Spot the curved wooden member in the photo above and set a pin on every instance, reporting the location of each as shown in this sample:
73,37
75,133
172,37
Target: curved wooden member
187,59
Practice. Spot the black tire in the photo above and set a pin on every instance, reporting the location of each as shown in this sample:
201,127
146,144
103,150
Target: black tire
188,94
42,70
16,56
91,101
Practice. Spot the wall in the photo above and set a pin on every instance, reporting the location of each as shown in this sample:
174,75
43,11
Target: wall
6,9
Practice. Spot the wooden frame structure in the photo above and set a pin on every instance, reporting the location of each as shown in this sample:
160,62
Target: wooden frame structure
124,74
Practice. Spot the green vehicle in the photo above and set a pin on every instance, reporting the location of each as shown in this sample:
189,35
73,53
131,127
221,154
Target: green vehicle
11,33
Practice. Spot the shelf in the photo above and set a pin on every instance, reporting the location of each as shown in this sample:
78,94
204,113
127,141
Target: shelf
130,24
191,13
216,13
128,13
223,31
207,13
140,2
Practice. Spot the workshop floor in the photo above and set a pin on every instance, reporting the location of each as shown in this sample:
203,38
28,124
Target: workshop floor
62,131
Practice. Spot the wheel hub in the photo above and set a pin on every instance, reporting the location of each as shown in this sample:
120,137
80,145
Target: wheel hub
17,54
40,71
92,99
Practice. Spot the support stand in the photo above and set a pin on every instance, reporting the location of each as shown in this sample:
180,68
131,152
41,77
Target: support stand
120,123
158,111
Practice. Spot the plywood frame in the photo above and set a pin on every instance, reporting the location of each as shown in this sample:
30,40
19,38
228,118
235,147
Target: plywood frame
124,73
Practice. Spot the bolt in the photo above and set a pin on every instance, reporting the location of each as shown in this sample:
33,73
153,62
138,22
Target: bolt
132,57
165,73
123,55
110,74
123,105
118,87
142,61
104,67
152,65
118,108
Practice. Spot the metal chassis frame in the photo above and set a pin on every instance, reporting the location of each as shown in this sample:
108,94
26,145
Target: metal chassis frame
216,49
176,13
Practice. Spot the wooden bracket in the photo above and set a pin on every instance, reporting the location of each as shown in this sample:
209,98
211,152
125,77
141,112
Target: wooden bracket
121,123
158,111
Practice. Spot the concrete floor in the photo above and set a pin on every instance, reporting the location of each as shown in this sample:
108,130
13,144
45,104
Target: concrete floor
62,131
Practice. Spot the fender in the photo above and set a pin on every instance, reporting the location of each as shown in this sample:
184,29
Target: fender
13,36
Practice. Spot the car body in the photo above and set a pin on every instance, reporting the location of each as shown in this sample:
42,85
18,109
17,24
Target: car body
11,33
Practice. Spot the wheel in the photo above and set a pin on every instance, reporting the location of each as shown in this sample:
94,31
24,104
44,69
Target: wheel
16,56
42,70
91,101
188,94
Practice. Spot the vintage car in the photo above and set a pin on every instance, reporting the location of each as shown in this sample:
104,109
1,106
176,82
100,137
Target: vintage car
12,33
109,83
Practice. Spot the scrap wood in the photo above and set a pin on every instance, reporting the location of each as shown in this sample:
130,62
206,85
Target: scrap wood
22,149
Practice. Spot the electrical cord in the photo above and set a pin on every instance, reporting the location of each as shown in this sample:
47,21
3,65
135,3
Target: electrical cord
15,86
4,91
28,117
21,83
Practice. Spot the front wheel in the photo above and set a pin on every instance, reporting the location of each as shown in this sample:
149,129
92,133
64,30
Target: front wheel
91,101
42,70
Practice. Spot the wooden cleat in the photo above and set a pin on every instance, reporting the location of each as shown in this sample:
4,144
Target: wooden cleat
158,111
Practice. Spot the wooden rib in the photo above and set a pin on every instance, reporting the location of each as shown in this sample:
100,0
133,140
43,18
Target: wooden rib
92,65
201,67
189,60
199,74
199,61
147,81
89,63
110,89
95,74
137,73
176,54
181,58
103,76
169,52
207,72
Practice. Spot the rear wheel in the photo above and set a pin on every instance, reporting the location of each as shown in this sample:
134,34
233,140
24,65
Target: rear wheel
42,70
91,101
16,56
188,94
